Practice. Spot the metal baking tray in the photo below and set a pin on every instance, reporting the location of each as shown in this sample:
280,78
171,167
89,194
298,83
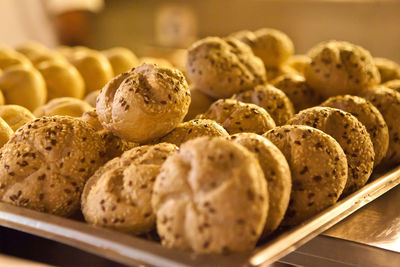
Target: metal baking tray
132,250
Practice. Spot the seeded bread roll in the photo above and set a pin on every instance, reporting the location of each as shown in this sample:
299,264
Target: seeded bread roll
299,63
238,117
199,103
388,69
272,46
369,116
115,146
352,136
273,100
339,68
393,84
5,132
277,173
91,98
144,104
318,167
387,101
191,129
210,197
45,164
298,91
118,195
68,106
222,67
15,116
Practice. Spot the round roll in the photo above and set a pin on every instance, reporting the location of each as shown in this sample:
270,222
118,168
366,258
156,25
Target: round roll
145,103
191,129
122,59
46,164
277,173
69,106
15,116
118,195
238,117
369,116
388,69
299,92
222,67
318,167
24,87
339,68
352,136
210,197
273,100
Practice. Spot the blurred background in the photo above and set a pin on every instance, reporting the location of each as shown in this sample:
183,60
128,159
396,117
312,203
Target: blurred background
159,27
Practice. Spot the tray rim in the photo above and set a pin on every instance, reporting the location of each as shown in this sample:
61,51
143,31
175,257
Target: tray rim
132,250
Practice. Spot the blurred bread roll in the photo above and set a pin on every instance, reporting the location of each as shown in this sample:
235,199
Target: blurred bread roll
388,69
272,46
23,86
5,132
93,66
67,106
92,97
339,68
15,115
10,57
62,80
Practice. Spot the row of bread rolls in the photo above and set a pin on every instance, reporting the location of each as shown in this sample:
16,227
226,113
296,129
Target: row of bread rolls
65,81
237,172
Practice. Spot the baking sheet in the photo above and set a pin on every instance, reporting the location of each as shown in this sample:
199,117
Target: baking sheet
132,250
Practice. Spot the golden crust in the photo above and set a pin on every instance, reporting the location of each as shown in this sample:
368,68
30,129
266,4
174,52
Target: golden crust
118,195
145,103
369,116
210,197
277,173
237,117
46,163
222,67
352,136
318,167
273,100
339,68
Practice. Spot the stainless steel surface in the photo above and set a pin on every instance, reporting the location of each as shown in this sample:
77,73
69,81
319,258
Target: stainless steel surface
377,224
135,251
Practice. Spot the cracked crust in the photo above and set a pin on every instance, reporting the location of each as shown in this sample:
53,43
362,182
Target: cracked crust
144,103
210,197
222,67
352,136
118,195
318,167
45,164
